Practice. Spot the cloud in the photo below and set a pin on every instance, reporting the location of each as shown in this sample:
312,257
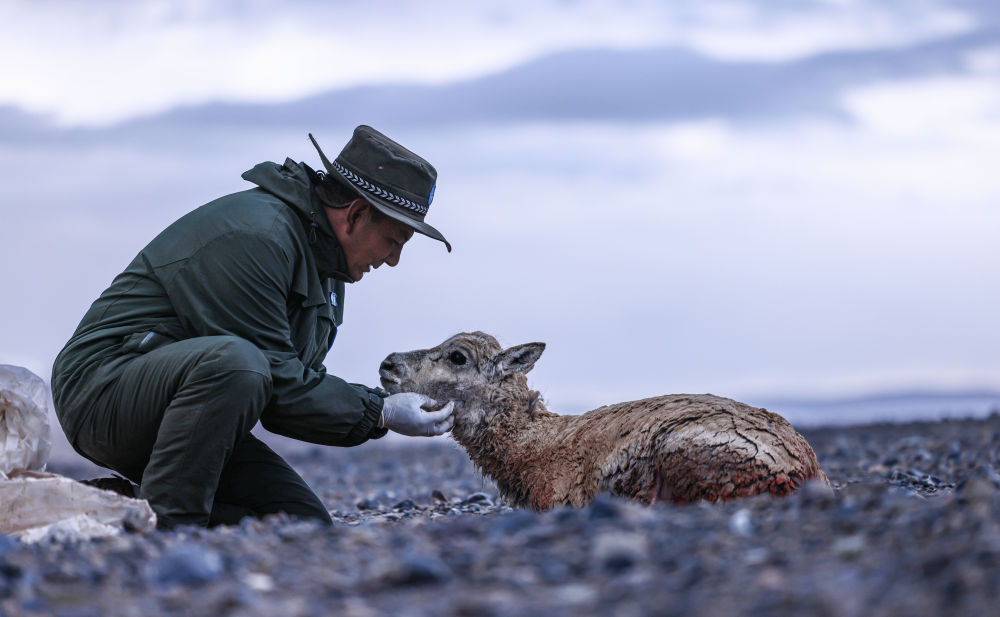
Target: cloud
667,219
638,85
99,62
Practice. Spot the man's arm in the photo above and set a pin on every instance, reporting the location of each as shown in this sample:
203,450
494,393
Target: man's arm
239,284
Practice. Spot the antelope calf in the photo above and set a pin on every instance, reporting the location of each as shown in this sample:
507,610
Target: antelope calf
677,447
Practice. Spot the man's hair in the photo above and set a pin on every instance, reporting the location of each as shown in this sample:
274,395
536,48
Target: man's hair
341,195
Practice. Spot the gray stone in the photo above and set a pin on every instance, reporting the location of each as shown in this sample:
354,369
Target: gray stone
188,564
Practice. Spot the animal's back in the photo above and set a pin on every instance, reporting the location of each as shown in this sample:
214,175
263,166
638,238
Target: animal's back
688,447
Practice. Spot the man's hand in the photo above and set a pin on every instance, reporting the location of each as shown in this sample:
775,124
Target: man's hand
404,413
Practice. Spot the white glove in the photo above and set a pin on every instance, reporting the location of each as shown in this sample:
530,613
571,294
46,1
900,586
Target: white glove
404,413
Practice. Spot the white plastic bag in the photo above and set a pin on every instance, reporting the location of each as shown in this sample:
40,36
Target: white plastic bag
24,420
35,505
39,505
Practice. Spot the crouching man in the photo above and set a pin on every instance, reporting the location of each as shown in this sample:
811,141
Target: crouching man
224,320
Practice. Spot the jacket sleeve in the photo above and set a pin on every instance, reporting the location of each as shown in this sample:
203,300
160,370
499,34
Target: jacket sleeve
238,284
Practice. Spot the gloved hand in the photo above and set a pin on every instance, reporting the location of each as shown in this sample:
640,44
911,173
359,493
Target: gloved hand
404,414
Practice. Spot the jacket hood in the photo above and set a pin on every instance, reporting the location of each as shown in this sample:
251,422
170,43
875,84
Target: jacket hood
291,183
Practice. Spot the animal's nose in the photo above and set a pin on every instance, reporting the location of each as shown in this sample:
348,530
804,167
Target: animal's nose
391,366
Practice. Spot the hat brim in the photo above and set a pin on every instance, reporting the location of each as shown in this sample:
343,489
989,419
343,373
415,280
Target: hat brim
402,216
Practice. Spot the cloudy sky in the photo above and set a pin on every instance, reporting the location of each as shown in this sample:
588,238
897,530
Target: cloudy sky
760,199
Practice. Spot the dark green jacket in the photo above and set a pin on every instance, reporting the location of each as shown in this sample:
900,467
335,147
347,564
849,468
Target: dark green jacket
262,264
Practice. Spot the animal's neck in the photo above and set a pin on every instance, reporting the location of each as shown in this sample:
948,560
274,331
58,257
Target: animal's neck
503,447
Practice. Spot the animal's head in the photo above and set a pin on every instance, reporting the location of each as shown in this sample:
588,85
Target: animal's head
472,369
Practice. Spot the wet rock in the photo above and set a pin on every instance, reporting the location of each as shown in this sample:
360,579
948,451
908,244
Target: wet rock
7,545
849,547
604,507
574,594
554,571
419,570
368,504
481,499
983,483
740,522
618,551
929,549
818,493
259,582
406,504
513,523
188,564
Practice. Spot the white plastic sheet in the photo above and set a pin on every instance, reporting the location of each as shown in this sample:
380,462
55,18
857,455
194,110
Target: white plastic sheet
24,420
35,505
43,505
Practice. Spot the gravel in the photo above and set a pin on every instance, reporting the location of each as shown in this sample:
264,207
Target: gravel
911,527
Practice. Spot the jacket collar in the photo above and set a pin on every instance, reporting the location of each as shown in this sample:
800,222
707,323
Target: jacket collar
292,183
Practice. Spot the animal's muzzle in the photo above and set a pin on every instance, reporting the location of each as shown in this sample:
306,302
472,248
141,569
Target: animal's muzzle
391,372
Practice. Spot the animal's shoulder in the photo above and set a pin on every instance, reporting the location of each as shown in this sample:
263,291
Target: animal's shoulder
674,403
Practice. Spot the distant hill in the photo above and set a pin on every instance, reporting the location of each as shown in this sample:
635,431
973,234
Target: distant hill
884,407
667,83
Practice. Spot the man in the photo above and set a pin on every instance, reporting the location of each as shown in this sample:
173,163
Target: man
224,320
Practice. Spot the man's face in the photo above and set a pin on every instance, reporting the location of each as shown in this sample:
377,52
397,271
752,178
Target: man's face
367,245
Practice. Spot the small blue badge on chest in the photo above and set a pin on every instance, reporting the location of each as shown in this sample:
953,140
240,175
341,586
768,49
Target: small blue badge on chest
333,298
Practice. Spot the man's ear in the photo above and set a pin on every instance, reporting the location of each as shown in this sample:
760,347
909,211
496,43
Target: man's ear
357,211
517,359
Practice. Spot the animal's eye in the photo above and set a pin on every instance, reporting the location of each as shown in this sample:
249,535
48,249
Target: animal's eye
456,357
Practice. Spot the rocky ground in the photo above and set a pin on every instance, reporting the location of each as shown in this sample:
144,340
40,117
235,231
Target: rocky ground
912,528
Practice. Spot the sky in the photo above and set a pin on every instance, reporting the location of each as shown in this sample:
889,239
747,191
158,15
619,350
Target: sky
761,199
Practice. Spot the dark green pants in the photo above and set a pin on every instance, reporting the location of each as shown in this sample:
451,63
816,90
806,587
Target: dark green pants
177,422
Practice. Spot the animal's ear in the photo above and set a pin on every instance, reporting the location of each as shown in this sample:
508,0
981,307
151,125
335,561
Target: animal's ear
518,359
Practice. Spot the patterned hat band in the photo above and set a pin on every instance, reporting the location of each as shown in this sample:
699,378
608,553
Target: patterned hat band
377,190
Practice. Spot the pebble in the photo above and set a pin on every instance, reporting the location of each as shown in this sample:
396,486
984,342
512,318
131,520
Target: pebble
554,571
7,545
982,483
849,547
574,594
604,507
514,522
406,504
420,570
188,564
477,498
740,522
618,551
259,582
911,528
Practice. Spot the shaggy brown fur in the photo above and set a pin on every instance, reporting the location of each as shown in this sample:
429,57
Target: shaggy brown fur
679,447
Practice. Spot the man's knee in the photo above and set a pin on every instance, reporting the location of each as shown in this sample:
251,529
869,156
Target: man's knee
238,361
238,354
236,371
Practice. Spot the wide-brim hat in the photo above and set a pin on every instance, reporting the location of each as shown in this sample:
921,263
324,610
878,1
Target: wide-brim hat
394,180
